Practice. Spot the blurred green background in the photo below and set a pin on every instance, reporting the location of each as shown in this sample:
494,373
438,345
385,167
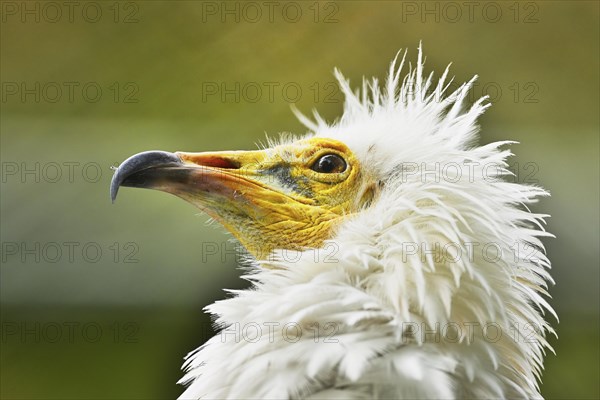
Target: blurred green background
103,301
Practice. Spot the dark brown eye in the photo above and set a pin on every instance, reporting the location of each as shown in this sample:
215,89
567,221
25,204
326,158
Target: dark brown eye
329,164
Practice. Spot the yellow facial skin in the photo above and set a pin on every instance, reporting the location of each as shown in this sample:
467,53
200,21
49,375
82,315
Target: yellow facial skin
285,197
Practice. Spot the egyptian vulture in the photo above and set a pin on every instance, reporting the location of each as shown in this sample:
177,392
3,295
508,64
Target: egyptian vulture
389,256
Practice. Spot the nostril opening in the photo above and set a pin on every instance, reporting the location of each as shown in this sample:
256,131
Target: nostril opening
219,162
210,160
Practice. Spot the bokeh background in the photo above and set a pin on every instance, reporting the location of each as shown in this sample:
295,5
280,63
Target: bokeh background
103,301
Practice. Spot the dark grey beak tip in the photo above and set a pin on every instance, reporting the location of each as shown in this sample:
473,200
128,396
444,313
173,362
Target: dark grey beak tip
114,187
140,162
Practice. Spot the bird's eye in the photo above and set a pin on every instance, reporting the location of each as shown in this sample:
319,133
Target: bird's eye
329,164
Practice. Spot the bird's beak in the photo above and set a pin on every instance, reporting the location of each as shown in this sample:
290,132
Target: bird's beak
210,176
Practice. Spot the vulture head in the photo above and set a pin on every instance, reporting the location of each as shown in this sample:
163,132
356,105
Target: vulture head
390,257
289,196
